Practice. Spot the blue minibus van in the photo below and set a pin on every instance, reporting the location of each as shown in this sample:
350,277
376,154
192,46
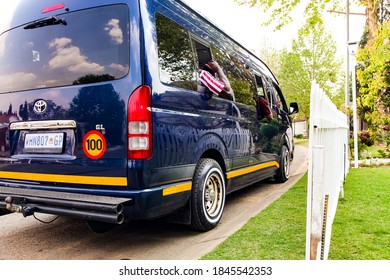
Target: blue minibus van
103,115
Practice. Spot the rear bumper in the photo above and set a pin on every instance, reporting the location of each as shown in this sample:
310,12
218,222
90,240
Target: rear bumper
84,206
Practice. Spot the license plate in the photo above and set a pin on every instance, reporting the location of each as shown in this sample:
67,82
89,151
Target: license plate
44,143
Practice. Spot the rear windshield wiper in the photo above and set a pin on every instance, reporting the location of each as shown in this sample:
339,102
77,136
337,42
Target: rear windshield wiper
46,22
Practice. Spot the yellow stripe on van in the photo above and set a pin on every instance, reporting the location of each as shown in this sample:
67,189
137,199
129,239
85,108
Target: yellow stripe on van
251,169
177,189
71,179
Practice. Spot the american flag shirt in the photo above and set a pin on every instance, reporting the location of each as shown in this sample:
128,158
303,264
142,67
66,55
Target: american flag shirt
211,82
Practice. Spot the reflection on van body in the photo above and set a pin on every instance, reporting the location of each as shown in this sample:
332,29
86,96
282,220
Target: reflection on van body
101,117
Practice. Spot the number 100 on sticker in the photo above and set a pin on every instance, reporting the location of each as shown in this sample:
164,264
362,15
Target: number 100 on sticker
94,144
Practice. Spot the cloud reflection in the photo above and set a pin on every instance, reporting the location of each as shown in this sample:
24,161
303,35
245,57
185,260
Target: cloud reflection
69,57
114,31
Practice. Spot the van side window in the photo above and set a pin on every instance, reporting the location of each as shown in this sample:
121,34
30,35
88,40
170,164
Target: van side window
203,53
262,101
269,91
260,87
241,79
176,57
280,102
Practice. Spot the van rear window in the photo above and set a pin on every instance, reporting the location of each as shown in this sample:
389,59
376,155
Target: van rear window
79,47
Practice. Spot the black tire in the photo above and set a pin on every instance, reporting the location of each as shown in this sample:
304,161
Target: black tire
284,166
208,195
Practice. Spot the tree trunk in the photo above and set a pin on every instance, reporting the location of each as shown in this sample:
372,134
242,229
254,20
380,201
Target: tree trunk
372,17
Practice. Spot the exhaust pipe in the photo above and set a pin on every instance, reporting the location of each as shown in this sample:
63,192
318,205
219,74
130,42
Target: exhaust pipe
87,215
77,209
99,207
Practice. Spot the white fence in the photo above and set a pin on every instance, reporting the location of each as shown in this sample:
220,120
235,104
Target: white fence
328,166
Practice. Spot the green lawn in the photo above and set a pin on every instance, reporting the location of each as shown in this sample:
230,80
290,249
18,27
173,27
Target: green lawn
361,229
303,142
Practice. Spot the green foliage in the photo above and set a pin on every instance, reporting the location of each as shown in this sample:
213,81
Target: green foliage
242,91
373,76
317,50
385,139
361,147
281,10
175,54
384,153
294,81
313,56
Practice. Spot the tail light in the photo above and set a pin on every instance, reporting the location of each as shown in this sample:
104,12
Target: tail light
139,112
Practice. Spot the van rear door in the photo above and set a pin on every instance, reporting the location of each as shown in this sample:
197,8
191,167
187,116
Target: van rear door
64,88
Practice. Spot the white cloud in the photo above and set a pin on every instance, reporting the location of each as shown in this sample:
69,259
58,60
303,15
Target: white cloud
60,42
114,31
119,67
69,57
22,79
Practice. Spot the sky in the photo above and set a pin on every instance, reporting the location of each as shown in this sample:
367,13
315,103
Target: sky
245,24
248,26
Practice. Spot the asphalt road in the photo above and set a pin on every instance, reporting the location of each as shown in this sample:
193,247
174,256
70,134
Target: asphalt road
70,239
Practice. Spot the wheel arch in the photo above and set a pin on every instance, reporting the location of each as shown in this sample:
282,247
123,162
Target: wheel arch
212,146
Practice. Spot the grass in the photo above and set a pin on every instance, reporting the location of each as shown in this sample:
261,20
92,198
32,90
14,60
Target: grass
277,233
361,229
302,141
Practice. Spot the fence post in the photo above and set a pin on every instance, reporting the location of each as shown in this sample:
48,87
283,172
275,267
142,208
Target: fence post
316,184
328,166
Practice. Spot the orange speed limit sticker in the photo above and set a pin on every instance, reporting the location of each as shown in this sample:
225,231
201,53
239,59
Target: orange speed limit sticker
94,144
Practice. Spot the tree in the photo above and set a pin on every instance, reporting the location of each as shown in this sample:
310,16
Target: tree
318,52
270,56
294,81
281,10
384,11
99,105
175,52
9,109
313,57
373,76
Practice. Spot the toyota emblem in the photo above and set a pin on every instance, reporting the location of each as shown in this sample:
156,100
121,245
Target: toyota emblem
40,106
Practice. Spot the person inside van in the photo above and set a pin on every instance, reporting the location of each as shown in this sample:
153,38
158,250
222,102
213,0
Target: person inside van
263,109
220,86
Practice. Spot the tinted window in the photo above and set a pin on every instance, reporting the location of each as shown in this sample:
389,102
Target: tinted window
279,100
74,48
176,56
241,79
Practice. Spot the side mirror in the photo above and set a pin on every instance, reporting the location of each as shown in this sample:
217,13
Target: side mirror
294,108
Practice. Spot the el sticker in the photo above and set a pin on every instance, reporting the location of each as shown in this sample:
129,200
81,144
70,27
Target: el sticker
94,144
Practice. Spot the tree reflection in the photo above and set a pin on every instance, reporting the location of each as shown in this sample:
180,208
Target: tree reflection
241,79
177,64
99,105
52,112
90,78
